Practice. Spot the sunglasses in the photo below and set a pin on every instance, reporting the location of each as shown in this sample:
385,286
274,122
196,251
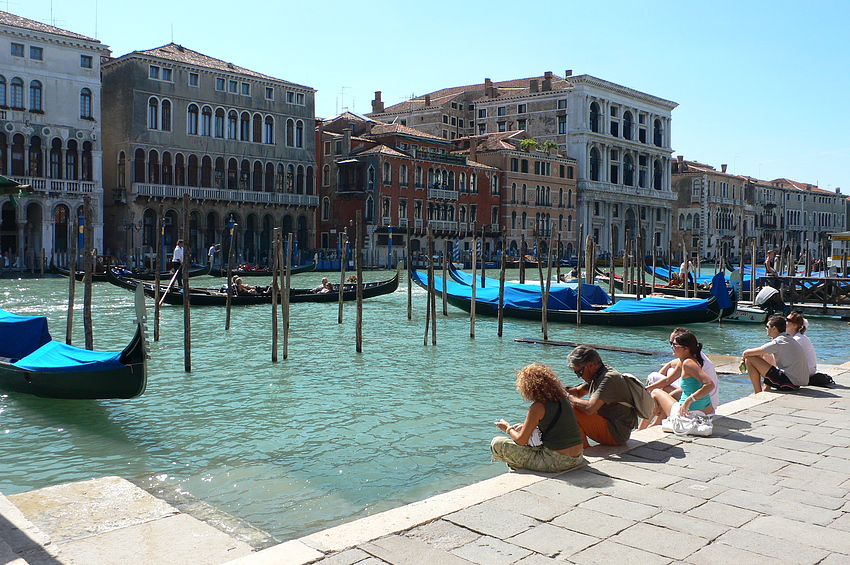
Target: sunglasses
674,344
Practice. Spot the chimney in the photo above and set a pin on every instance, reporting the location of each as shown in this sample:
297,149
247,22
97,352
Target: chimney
377,105
547,81
568,73
532,85
427,99
346,142
488,88
473,149
723,168
680,158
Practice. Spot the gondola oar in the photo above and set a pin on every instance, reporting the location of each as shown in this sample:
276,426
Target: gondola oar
168,288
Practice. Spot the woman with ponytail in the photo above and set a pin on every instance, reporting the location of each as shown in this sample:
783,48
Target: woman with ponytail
695,382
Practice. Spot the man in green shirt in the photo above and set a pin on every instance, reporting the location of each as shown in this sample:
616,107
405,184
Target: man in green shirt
607,415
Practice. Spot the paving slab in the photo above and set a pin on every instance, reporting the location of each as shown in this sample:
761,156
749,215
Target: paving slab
619,507
487,550
401,550
724,514
608,552
660,540
551,540
827,538
443,534
592,523
688,524
796,551
722,553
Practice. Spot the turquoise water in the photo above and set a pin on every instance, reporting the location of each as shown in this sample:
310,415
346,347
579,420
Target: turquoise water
326,436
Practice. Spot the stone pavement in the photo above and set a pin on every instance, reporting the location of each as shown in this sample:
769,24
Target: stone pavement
771,486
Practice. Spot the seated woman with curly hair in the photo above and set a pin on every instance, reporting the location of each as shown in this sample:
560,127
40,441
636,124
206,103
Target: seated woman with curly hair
552,413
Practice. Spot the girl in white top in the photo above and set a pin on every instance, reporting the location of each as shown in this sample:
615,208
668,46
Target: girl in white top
796,324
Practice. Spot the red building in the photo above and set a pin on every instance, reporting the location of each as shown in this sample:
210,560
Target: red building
403,181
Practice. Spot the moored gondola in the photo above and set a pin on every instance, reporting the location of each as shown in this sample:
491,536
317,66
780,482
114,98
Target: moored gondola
218,296
243,271
33,363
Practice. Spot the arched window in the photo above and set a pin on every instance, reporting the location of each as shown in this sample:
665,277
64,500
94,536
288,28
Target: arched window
153,113
139,166
494,185
299,180
218,123
290,179
628,170
232,124
257,177
695,189
309,182
166,116
268,130
36,158
55,157
417,178
167,171
17,94
245,127
388,179
257,136
657,176
2,90
658,133
369,212
85,103
451,183
594,117
153,167
326,175
402,175
268,182
290,133
681,221
595,164
462,182
326,209
570,198
206,171
179,170
513,220
232,174
299,134
206,121
71,158
244,174
192,120
689,222
35,96
627,125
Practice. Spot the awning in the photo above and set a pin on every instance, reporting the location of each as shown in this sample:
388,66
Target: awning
11,186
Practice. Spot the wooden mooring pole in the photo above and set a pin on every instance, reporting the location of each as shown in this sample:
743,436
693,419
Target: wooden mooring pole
359,267
275,290
72,285
287,278
409,277
501,314
474,283
184,267
230,288
342,267
157,281
88,267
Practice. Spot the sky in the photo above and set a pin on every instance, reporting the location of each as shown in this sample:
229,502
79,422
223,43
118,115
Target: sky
761,86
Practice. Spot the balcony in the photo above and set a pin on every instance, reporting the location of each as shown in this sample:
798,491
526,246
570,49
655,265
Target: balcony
70,187
195,193
440,194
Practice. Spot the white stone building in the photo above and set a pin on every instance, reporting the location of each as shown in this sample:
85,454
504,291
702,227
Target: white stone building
50,125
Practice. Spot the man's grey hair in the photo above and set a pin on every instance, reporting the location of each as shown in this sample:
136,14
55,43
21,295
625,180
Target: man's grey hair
582,355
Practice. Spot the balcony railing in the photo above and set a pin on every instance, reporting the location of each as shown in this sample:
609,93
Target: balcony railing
139,189
40,184
439,193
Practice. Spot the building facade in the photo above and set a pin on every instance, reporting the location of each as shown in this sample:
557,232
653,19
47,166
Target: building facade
620,139
538,191
237,141
50,137
404,181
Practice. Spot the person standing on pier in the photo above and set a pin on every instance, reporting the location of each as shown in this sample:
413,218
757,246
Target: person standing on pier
560,443
607,416
781,362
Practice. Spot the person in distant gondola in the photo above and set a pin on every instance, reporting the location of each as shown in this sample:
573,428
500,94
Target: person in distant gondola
322,288
686,270
242,288
177,257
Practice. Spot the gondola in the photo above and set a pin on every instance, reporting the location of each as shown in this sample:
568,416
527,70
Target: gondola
660,287
33,363
262,271
147,275
650,311
102,264
592,295
218,296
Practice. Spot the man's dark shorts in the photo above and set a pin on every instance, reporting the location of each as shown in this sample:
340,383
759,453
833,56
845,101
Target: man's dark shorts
776,378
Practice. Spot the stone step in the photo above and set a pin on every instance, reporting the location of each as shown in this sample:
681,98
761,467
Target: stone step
22,542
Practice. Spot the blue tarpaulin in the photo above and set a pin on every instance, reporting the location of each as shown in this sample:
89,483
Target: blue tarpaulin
56,357
654,304
21,335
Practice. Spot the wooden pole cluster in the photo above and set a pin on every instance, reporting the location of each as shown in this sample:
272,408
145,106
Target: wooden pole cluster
184,267
88,267
522,259
342,267
611,269
359,267
578,276
431,305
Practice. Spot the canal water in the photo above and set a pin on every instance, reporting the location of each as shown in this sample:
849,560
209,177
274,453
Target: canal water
327,436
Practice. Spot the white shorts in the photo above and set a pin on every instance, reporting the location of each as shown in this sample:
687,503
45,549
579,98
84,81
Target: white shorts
655,376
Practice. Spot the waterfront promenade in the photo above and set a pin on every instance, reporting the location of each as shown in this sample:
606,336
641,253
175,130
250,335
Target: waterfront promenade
771,486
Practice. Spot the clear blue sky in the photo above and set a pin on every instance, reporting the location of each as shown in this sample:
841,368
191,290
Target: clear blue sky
761,86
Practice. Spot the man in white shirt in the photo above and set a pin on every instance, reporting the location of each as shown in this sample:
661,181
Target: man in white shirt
781,362
177,258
